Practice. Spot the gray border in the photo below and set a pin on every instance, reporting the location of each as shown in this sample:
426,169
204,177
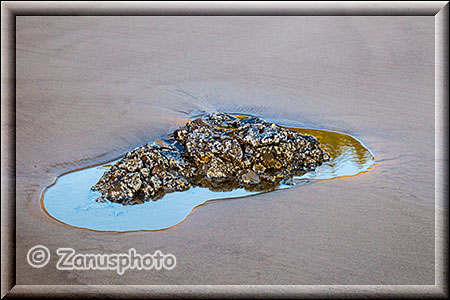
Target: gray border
9,10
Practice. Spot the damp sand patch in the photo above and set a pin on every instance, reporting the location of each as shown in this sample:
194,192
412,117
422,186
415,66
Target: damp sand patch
156,186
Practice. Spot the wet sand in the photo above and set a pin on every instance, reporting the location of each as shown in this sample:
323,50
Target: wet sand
91,88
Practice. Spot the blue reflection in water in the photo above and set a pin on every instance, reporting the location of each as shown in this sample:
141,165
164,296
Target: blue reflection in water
71,201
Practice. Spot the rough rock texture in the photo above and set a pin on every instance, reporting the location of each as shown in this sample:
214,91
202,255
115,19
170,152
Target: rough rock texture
219,151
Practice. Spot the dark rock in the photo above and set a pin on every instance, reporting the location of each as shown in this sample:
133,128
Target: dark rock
218,151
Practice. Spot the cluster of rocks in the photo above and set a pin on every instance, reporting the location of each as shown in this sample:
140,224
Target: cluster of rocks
218,151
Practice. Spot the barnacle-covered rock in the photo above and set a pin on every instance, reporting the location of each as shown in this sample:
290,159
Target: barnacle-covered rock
218,151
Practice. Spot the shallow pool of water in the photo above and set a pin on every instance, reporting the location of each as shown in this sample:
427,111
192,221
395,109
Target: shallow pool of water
70,200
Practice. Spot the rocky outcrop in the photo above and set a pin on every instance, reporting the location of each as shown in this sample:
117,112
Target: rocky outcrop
218,151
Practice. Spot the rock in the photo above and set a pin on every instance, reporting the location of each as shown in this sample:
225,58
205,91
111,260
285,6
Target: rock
219,151
249,177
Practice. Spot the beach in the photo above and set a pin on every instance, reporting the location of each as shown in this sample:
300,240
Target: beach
89,89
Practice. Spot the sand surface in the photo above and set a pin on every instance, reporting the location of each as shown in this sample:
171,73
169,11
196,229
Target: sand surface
91,88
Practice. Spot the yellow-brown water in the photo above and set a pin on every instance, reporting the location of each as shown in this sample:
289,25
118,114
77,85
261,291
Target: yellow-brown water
349,156
71,201
336,143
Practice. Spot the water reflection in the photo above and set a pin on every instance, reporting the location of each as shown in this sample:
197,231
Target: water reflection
348,155
71,201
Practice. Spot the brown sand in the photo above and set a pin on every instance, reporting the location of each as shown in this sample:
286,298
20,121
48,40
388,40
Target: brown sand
91,88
